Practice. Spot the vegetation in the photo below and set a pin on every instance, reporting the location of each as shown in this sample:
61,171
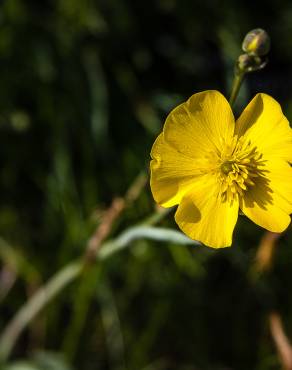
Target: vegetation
85,87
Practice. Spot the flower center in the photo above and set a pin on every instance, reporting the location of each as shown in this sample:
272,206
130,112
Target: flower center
239,166
227,166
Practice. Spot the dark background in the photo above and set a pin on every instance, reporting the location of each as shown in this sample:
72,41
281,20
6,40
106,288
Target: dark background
84,89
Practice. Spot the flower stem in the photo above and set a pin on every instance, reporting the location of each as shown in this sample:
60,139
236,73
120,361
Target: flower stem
238,78
74,270
43,296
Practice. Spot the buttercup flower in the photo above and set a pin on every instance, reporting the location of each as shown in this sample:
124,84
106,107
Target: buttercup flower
212,167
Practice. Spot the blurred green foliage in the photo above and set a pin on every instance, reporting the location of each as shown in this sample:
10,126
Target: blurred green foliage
84,89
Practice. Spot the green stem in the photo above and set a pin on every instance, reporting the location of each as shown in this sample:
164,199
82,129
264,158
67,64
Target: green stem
34,306
83,293
142,232
71,272
238,78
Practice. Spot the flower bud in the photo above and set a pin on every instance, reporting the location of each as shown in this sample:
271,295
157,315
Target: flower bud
249,63
244,62
256,43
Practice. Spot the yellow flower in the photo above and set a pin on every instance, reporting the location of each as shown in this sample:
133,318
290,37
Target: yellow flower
212,166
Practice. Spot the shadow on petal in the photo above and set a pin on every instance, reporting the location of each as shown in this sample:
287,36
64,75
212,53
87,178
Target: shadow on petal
191,213
259,194
250,115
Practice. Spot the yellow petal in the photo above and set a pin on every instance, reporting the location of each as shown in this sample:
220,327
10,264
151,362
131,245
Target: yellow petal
195,128
264,124
172,173
203,216
280,176
201,124
269,202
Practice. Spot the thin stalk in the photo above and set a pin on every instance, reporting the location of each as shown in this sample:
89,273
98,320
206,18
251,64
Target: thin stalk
84,291
61,280
281,340
238,78
34,306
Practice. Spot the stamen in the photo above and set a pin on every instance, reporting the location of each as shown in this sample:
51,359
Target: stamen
239,165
